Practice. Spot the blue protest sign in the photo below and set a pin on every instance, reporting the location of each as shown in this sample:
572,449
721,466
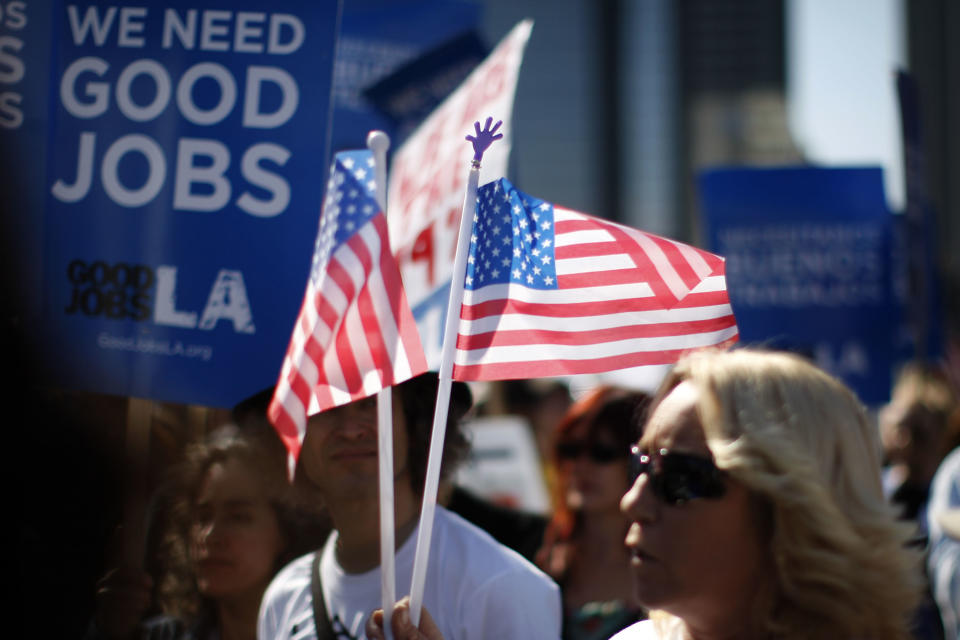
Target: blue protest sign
377,38
409,94
808,265
186,152
24,80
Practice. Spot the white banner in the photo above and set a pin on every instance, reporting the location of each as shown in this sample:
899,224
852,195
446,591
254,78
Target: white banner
428,176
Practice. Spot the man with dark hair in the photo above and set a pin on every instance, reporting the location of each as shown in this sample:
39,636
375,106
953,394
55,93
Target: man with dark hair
487,590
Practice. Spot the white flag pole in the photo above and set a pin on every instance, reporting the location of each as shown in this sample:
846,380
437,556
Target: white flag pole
378,142
481,141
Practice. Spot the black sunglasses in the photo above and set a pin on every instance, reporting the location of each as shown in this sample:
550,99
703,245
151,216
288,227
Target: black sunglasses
599,453
677,478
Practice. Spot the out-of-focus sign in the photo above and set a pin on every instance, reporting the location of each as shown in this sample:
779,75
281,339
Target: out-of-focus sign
377,39
504,466
808,255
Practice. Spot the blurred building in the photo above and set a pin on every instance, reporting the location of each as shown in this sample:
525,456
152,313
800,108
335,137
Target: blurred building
621,102
933,46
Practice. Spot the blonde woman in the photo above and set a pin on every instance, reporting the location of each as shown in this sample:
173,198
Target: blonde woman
756,510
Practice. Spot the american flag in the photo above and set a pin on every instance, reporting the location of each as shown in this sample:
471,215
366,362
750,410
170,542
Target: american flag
355,334
550,292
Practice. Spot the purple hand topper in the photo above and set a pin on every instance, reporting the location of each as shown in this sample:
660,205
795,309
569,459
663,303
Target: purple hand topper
483,139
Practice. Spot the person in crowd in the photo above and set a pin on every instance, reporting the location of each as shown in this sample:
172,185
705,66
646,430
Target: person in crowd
583,544
233,523
915,438
543,402
757,511
915,434
480,588
943,559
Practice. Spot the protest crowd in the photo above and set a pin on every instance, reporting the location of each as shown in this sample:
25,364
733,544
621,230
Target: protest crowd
746,494
484,415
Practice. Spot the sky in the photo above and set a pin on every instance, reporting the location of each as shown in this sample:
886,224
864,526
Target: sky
841,92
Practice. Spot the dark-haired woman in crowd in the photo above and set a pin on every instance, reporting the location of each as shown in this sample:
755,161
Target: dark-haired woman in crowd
233,522
583,544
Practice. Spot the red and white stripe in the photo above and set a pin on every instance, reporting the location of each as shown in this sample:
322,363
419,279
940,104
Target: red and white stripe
355,335
625,298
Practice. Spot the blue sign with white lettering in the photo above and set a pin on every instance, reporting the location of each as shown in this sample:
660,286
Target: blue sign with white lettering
185,168
808,254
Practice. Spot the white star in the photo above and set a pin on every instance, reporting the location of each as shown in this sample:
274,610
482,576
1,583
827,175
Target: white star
348,163
545,225
360,174
544,207
529,279
495,273
469,281
545,259
547,243
548,280
516,273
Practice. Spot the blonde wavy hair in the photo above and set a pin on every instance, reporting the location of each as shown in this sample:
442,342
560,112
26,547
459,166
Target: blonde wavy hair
801,442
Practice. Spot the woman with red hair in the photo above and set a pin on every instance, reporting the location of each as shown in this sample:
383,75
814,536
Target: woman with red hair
583,544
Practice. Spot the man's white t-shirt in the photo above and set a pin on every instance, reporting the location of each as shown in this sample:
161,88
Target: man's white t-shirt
475,588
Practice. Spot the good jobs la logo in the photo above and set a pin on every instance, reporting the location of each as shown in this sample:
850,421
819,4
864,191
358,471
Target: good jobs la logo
91,88
122,291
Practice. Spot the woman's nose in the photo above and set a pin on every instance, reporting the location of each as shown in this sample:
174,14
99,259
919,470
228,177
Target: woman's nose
209,532
639,504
